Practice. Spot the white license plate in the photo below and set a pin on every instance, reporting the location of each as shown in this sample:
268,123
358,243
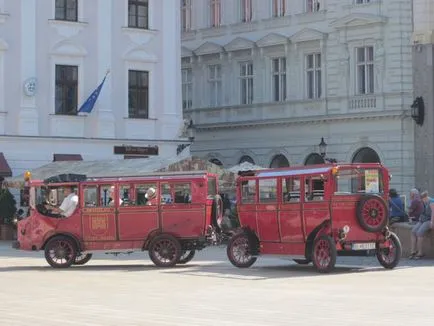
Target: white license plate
363,246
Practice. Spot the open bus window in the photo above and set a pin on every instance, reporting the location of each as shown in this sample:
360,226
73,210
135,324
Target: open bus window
90,196
248,192
291,189
314,189
353,181
141,199
267,190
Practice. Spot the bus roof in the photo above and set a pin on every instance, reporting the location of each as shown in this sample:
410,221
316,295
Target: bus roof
77,178
308,169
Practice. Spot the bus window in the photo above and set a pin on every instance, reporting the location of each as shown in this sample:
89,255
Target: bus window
267,190
291,189
248,192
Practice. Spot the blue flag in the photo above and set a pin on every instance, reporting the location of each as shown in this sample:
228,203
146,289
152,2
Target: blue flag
90,102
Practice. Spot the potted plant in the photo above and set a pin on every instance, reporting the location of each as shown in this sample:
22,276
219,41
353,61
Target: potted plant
7,212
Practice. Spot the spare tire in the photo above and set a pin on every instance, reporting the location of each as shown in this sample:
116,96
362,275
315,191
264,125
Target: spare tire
372,213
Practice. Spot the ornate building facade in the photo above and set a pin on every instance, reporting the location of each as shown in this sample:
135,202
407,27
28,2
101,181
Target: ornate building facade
55,53
267,81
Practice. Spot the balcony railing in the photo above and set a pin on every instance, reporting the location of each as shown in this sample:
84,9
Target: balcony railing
363,102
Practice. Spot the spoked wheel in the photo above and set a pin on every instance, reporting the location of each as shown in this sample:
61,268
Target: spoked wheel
238,251
186,256
324,254
302,261
372,213
389,257
60,252
82,259
165,250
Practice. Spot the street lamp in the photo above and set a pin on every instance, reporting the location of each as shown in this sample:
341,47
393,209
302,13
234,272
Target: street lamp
191,134
323,150
322,147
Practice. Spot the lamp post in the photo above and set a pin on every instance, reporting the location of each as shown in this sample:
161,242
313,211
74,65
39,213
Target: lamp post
323,150
191,132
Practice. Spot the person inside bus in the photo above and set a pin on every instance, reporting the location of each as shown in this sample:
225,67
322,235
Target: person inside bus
112,196
151,196
68,205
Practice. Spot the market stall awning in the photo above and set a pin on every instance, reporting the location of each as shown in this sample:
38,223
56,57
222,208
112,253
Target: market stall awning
5,170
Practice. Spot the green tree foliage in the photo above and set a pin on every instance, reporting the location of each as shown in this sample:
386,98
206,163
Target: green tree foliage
7,206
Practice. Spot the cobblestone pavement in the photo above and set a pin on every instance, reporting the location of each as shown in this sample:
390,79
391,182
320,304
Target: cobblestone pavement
129,290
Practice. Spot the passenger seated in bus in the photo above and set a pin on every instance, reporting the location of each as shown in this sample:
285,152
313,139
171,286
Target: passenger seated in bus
68,205
151,196
112,196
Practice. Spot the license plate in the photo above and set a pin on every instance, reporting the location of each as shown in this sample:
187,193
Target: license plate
363,246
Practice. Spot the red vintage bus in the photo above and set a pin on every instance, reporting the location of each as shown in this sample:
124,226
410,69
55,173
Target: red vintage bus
313,214
116,215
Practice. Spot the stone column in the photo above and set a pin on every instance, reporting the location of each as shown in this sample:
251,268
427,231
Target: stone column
28,123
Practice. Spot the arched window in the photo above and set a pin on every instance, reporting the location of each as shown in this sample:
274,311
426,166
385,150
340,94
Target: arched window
279,161
314,158
216,161
366,155
246,158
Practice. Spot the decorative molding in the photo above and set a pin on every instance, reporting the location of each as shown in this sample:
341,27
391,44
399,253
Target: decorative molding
306,35
3,45
140,54
357,20
271,40
208,48
185,52
3,17
67,29
139,36
238,44
311,120
68,48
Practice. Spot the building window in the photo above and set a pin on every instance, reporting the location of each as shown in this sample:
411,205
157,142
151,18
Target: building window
313,75
278,8
365,70
66,97
362,1
279,79
66,10
138,14
313,5
216,7
246,82
186,15
187,88
138,94
215,85
246,10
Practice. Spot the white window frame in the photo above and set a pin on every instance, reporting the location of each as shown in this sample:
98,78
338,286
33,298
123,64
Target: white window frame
368,67
215,13
313,5
80,12
316,76
361,2
215,85
187,88
281,82
150,15
68,61
150,67
186,15
246,10
2,81
247,81
278,8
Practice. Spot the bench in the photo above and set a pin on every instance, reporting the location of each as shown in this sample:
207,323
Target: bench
403,231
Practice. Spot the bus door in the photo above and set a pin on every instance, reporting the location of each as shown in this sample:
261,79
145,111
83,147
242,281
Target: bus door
99,205
138,211
267,210
290,216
